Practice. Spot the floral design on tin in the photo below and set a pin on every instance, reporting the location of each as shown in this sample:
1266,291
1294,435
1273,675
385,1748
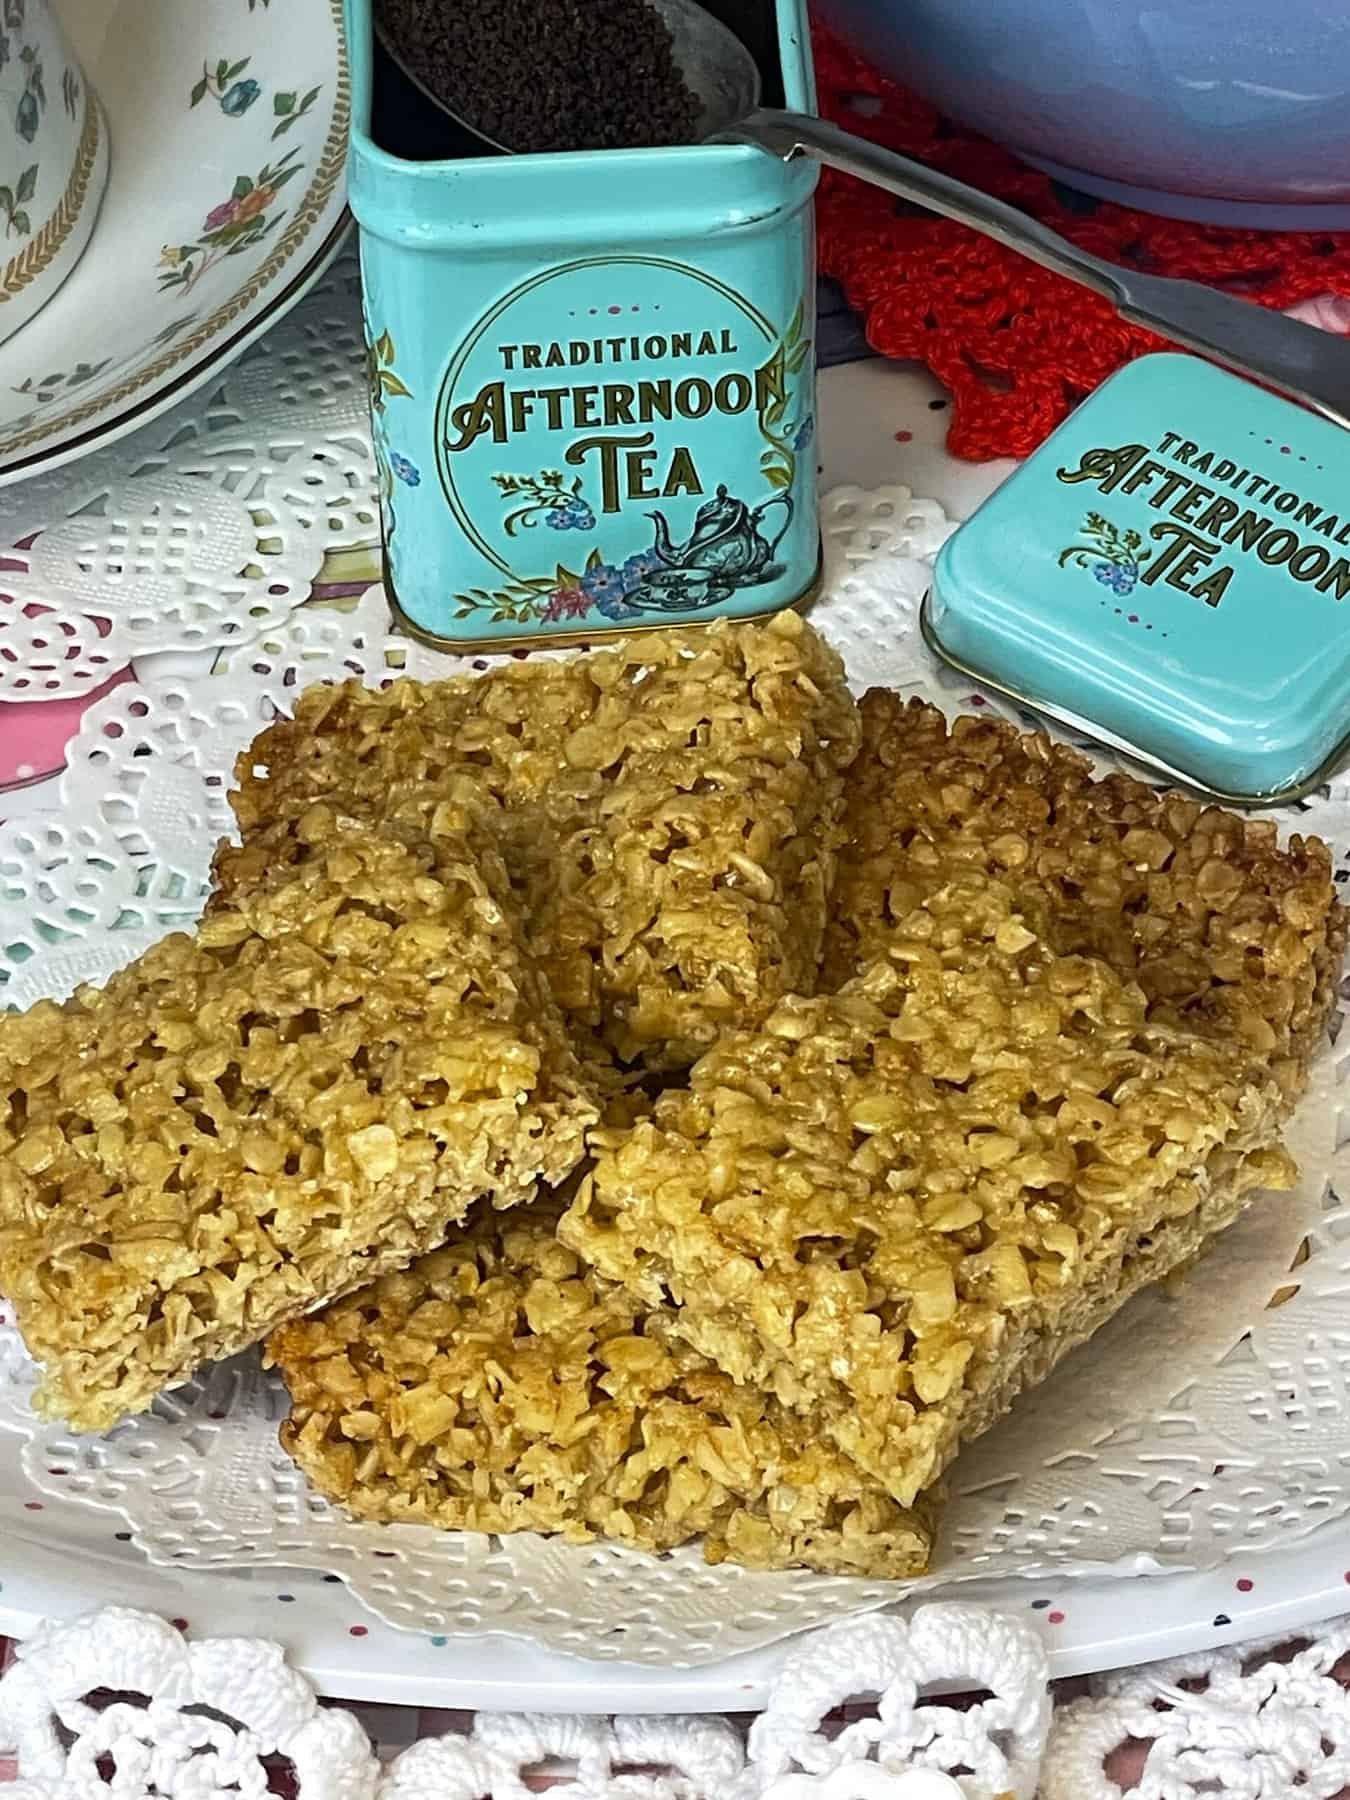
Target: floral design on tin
603,587
1114,556
729,548
236,225
562,504
785,437
599,586
385,382
233,96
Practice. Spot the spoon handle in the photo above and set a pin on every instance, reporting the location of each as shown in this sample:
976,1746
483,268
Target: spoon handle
1309,365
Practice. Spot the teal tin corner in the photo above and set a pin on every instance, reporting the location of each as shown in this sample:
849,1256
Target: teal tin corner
592,378
1169,573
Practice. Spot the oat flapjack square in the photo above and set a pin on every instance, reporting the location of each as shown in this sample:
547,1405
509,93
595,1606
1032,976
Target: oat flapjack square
1225,930
668,811
500,1385
900,1203
244,1124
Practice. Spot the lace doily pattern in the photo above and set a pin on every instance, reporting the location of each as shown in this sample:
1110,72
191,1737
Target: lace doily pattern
125,1691
174,562
1182,1436
958,1707
203,530
297,391
1263,1721
904,1743
994,1740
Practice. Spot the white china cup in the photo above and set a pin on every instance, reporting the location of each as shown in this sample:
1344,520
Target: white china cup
53,159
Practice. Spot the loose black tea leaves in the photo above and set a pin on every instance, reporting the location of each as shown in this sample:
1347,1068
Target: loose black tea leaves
538,75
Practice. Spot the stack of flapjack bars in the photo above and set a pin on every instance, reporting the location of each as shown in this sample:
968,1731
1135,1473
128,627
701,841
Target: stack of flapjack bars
648,1095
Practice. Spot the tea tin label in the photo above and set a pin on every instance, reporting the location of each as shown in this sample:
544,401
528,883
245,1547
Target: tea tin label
618,441
1198,544
1170,569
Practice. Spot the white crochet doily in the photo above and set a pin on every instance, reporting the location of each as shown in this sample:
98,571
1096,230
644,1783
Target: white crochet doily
1187,1435
125,1691
1266,1721
952,1705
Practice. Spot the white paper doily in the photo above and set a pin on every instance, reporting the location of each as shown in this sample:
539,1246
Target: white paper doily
204,529
299,392
1185,1434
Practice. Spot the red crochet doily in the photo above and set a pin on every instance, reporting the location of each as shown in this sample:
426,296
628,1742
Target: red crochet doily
1016,346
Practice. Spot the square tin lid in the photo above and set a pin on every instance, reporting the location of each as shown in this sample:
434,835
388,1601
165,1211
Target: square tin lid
1171,569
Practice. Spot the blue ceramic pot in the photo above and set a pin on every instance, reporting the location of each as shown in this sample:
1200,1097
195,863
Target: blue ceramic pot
1226,111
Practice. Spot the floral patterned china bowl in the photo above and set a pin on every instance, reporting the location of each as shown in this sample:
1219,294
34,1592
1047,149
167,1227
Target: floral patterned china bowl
53,160
226,199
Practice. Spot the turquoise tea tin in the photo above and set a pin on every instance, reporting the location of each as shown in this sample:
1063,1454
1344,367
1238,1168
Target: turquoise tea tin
591,378
1170,573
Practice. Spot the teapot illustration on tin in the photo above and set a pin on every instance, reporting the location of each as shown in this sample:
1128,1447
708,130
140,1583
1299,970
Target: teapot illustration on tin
726,550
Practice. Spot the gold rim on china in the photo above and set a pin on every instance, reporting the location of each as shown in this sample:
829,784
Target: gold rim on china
326,176
38,252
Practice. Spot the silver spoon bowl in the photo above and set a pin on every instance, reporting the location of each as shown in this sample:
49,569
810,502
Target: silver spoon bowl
1311,366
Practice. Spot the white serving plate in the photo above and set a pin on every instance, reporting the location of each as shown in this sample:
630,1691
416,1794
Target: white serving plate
81,1525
